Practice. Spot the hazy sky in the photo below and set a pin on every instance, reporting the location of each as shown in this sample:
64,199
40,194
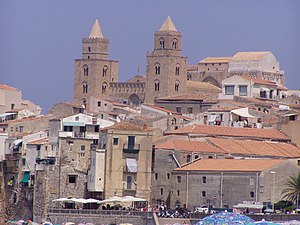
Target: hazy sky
40,39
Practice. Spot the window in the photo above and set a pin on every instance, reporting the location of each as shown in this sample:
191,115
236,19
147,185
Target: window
161,191
243,90
104,71
157,69
203,193
178,109
129,182
178,192
179,179
115,141
131,142
168,176
104,86
229,90
177,86
188,158
72,179
196,156
89,49
174,44
156,85
77,118
12,106
156,176
177,69
38,147
99,103
21,128
162,43
82,148
251,194
68,128
85,70
204,180
23,162
190,110
85,88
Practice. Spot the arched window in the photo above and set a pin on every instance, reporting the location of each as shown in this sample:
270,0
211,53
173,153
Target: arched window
85,70
157,69
156,85
204,180
84,103
104,71
89,48
177,69
162,43
177,85
174,44
104,87
84,88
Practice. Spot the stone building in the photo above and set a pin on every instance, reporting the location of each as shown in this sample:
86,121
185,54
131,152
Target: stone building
128,160
262,65
166,68
223,183
96,76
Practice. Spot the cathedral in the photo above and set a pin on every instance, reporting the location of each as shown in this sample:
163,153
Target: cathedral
168,73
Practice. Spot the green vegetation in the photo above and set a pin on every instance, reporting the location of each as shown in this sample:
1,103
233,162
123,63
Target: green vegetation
292,190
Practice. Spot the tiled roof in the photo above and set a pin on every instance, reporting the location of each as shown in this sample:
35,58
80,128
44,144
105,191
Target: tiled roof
25,119
191,146
203,86
207,130
8,88
216,60
39,141
257,148
127,126
224,109
250,55
260,81
237,165
161,109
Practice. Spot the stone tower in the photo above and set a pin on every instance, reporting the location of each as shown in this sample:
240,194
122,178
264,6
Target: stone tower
166,68
94,71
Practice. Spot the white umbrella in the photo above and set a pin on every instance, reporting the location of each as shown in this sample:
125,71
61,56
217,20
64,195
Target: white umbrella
132,199
63,200
79,200
111,199
91,200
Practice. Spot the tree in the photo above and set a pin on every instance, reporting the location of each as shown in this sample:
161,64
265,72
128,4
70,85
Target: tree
292,190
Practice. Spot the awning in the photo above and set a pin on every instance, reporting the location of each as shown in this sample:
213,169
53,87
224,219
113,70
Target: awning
17,144
74,124
243,112
131,165
26,177
6,114
290,114
212,118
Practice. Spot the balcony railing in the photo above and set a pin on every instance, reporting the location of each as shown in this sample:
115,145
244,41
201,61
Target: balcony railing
128,148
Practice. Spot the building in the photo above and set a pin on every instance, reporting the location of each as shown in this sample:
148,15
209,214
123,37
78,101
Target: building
96,76
128,160
223,183
166,68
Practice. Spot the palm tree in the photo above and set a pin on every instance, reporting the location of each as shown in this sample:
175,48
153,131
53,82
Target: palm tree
292,190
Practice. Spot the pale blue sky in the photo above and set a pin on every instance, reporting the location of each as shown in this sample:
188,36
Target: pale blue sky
40,39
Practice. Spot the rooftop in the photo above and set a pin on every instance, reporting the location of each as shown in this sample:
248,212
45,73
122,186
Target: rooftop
260,81
127,126
250,55
216,60
8,88
96,31
168,25
235,165
207,130
38,142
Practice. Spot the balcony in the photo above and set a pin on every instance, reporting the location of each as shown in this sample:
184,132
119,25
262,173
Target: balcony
129,148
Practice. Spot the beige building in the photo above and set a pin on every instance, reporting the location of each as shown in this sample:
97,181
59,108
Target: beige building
128,160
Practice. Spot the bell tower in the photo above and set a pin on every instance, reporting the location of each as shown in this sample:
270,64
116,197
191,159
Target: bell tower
166,68
94,71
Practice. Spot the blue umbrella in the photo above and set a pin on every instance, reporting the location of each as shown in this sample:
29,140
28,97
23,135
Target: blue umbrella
225,218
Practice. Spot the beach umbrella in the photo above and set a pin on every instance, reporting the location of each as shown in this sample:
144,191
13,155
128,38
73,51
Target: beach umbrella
111,199
225,218
132,199
63,200
91,200
68,223
47,223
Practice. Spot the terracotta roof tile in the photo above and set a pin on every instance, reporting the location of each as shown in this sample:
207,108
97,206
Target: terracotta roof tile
8,88
191,146
216,60
25,119
161,109
127,126
245,165
257,148
260,81
206,130
39,141
249,55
